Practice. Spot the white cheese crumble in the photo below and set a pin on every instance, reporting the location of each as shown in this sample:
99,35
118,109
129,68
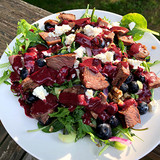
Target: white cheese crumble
92,31
69,39
59,30
78,72
51,34
131,25
89,93
80,51
115,24
46,53
105,57
76,63
135,63
40,92
153,105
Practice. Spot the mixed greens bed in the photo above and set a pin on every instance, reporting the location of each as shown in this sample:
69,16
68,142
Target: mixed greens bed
71,105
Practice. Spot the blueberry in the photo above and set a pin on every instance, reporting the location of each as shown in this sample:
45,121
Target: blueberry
102,44
24,73
124,87
133,87
31,98
48,26
113,121
142,78
143,108
99,121
129,79
104,131
46,123
41,62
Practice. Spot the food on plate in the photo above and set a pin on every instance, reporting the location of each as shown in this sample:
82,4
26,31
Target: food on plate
84,76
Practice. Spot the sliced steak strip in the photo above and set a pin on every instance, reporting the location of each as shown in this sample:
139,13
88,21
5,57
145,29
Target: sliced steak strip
41,109
122,74
129,117
102,22
119,30
152,80
93,80
138,51
49,40
66,16
108,36
58,61
51,22
73,96
126,39
28,84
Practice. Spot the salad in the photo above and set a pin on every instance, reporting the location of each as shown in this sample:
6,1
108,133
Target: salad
84,77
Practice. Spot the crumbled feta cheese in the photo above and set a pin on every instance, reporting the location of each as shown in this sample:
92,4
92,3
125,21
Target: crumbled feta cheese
51,34
59,30
40,92
131,25
80,51
89,93
105,57
115,24
46,53
135,63
92,31
78,72
153,106
76,63
69,39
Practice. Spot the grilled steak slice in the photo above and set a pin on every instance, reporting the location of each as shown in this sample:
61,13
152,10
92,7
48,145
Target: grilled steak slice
138,51
58,61
93,80
50,40
28,84
108,36
152,80
119,30
51,22
41,109
122,74
66,16
126,39
73,96
129,117
102,22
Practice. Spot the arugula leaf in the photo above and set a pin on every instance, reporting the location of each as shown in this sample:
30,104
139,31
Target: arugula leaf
6,75
152,64
5,65
152,93
86,15
93,17
62,112
121,46
144,64
140,25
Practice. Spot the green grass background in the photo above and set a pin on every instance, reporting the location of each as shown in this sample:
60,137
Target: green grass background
150,9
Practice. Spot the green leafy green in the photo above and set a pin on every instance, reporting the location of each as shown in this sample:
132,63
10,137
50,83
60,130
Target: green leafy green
145,65
5,65
6,75
86,15
140,25
121,46
154,63
62,112
152,93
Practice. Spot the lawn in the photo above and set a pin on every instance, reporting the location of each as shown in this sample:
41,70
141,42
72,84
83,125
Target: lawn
149,8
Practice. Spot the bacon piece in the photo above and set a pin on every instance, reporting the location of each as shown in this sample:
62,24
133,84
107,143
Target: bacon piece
58,61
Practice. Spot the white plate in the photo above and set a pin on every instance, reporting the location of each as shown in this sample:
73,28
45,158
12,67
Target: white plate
48,147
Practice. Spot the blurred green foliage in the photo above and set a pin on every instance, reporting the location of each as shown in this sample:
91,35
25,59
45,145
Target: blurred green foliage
150,9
